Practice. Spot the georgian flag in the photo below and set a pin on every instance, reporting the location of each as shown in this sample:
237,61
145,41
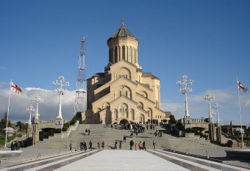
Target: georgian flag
242,87
15,88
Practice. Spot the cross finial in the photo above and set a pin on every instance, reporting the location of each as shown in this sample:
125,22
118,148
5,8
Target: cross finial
122,20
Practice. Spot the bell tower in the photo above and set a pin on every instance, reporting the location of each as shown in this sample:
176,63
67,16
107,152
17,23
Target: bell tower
123,45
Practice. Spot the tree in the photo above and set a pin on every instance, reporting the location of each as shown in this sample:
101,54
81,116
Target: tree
172,119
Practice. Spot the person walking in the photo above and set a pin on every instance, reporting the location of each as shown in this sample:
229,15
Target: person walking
102,144
154,143
120,145
115,147
136,146
98,145
131,143
90,145
70,147
85,146
144,145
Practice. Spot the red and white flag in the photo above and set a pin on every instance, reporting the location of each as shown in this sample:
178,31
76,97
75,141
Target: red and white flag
242,87
15,88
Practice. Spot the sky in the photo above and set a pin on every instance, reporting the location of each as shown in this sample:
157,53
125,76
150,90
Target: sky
208,40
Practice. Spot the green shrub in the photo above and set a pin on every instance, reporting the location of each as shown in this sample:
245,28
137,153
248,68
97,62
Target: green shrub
58,130
51,132
41,137
65,126
73,120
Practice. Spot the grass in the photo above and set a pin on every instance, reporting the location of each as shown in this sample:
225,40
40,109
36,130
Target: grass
9,138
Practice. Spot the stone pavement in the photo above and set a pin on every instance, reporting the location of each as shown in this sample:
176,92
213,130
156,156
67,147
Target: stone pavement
99,133
123,160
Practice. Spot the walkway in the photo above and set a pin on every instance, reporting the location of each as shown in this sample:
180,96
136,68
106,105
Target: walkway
123,160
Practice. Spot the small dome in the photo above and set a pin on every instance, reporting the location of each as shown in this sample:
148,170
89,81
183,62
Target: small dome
122,32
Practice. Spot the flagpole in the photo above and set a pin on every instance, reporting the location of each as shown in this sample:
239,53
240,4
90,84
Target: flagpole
241,130
6,129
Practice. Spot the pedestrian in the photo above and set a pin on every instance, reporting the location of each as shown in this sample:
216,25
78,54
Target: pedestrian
85,146
18,145
154,144
140,145
98,145
124,138
115,147
131,144
144,145
136,146
103,145
120,145
90,145
88,131
12,146
70,146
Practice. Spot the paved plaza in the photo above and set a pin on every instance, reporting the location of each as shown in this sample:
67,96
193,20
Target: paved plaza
122,160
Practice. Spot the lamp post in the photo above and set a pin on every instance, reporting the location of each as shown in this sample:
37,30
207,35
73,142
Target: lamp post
217,107
60,82
208,97
37,99
30,109
186,89
35,132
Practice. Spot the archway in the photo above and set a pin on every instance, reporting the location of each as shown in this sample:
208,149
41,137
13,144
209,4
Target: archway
142,118
123,122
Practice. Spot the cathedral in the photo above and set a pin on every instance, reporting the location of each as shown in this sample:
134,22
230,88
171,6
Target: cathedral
123,92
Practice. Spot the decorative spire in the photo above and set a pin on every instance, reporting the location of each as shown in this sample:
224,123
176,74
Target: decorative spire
122,20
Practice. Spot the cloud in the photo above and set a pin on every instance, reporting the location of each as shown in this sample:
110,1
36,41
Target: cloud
3,68
48,108
4,84
198,107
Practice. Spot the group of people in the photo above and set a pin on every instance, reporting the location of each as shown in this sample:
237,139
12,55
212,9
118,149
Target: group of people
140,145
15,145
120,144
83,145
158,133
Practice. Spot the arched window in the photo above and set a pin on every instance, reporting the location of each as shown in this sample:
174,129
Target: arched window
116,54
140,105
129,54
123,52
145,94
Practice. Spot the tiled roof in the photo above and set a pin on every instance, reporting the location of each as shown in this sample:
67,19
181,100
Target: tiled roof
122,32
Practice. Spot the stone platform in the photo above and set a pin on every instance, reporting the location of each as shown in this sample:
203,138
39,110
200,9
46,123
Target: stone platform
123,160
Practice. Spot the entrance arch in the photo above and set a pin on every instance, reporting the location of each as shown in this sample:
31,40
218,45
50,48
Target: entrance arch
123,122
142,118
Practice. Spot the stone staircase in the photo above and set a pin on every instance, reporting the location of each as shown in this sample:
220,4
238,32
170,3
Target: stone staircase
99,133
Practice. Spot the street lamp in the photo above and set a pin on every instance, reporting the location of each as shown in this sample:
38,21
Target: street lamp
217,107
30,109
186,89
37,99
60,82
208,97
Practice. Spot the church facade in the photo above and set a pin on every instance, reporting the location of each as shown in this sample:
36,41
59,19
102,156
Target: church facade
123,92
